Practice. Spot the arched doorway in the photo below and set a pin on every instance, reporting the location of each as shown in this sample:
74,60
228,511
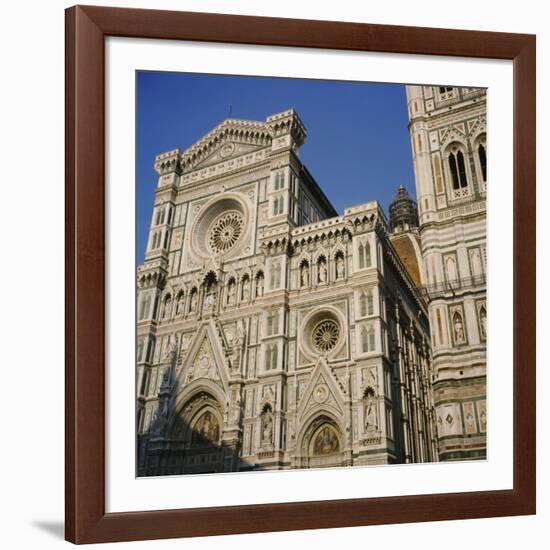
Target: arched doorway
196,436
323,444
205,431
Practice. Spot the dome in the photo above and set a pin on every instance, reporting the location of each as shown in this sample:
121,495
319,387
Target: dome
407,246
403,212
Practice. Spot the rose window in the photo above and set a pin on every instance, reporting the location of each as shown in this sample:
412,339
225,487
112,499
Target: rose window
325,335
225,232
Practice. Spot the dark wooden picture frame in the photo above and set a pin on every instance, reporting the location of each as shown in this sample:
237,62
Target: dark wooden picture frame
86,30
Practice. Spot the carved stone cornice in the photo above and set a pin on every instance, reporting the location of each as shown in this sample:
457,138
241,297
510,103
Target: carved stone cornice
151,275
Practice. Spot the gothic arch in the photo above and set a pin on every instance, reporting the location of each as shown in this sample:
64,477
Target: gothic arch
303,256
245,287
451,270
364,252
321,256
304,272
369,391
367,299
230,291
320,441
260,268
179,302
311,423
210,277
339,252
166,303
321,252
325,440
268,400
259,282
231,274
192,302
453,134
321,269
479,137
479,149
245,272
478,130
338,249
456,166
202,390
198,420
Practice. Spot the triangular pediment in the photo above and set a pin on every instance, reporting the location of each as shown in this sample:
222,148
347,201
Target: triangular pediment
452,133
230,139
477,125
226,152
205,359
323,391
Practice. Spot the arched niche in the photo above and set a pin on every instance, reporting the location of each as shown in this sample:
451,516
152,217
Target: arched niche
322,443
199,422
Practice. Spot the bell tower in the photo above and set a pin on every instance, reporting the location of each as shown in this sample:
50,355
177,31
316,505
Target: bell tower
448,136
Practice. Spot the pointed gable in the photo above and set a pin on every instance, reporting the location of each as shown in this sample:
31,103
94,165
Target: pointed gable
227,151
229,139
324,391
205,358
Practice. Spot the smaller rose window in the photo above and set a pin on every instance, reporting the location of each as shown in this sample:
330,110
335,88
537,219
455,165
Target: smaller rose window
325,335
225,232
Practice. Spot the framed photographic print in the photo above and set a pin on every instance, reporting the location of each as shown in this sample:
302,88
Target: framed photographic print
300,264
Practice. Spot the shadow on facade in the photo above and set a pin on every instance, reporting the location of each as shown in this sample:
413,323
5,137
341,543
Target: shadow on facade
198,422
197,436
159,455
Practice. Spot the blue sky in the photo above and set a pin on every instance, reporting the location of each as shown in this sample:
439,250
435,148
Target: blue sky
357,146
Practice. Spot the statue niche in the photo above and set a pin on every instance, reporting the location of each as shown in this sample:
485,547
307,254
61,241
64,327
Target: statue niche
211,292
259,284
304,274
193,300
322,270
340,268
245,289
370,410
179,304
231,292
483,322
267,427
458,328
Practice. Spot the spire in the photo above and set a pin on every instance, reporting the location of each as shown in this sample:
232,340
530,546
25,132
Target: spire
403,212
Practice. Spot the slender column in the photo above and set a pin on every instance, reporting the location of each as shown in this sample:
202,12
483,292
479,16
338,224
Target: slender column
409,387
403,390
424,403
200,300
417,395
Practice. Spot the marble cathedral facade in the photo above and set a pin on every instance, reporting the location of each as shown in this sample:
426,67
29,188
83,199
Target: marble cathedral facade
274,333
